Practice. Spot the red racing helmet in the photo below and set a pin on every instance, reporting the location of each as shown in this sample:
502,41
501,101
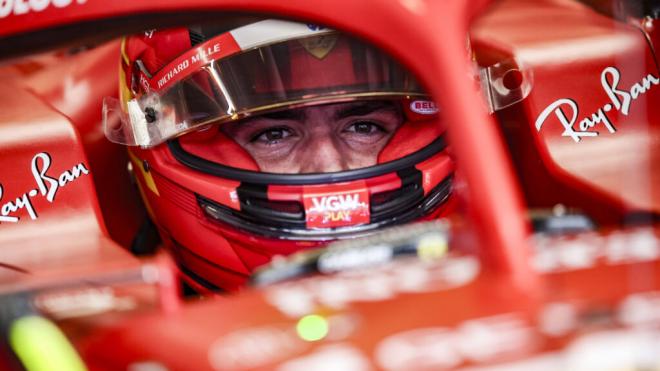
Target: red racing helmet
219,210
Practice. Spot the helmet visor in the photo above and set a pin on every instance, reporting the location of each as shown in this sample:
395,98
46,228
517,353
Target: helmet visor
294,73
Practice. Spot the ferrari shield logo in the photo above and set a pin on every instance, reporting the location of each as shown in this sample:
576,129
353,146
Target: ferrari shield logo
319,46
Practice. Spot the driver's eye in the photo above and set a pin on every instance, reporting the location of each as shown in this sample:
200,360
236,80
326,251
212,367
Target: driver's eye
272,135
364,127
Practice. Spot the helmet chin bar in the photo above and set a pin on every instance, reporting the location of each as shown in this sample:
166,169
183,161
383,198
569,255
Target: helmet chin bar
402,200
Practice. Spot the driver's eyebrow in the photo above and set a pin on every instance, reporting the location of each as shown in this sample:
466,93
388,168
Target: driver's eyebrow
294,115
364,108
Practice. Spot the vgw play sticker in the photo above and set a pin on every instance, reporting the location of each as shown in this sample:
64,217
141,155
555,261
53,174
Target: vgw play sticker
329,208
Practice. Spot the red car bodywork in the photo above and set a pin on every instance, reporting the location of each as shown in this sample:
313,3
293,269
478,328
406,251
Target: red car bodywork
522,301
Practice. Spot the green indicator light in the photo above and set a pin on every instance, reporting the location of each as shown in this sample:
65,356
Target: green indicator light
312,327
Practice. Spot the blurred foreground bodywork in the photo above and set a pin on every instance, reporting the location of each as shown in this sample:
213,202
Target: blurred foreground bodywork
503,298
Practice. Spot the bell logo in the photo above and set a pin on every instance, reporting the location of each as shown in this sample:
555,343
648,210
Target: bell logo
423,107
336,210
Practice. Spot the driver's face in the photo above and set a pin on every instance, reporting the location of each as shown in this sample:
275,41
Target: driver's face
318,139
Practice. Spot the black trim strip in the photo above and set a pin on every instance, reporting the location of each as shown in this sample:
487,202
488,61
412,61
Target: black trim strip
256,177
13,267
198,279
219,213
410,193
255,204
257,207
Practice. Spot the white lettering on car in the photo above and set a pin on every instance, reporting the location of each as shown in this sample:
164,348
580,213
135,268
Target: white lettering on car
620,99
583,252
477,340
21,7
235,350
341,356
640,310
47,186
381,283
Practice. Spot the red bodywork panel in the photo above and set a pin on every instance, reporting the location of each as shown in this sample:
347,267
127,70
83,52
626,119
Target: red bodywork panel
409,315
523,301
49,202
599,174
53,160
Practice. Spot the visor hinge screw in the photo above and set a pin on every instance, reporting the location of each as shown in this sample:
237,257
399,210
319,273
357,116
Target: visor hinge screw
145,166
150,114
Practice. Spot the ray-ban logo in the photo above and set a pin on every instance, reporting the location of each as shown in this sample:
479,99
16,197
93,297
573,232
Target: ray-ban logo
566,110
46,185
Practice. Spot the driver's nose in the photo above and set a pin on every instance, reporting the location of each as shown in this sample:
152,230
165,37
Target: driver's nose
322,154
